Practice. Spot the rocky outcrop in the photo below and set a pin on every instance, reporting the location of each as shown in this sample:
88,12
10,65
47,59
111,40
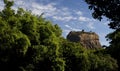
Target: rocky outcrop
87,39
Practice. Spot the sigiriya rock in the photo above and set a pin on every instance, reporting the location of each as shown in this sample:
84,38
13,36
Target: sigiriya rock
86,39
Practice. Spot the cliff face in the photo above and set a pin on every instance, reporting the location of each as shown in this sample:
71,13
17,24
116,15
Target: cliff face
87,39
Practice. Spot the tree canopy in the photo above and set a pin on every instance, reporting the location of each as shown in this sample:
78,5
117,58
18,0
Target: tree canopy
107,8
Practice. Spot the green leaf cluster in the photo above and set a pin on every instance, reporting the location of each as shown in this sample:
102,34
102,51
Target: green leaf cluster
78,58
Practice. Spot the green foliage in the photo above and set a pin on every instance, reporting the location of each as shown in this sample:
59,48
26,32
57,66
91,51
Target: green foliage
28,41
114,47
100,62
107,8
78,58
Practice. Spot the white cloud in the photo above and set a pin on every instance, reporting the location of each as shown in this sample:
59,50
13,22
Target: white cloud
63,14
85,19
81,18
91,25
67,26
20,2
89,22
1,5
79,13
48,10
107,22
68,29
71,28
67,18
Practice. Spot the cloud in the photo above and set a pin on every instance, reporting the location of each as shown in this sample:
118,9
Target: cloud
63,14
68,29
71,28
106,23
79,13
1,5
81,18
89,22
19,2
37,7
68,26
67,18
85,19
48,10
91,25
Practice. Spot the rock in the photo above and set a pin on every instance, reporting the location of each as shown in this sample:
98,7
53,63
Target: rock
86,39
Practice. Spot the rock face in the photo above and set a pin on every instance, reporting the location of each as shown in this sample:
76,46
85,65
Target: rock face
87,39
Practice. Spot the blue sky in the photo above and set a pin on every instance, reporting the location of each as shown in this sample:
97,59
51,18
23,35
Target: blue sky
70,15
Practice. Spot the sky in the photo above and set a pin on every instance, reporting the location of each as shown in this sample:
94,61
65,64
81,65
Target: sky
70,15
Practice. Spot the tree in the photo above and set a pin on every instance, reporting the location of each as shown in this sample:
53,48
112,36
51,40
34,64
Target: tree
101,62
77,58
114,46
28,42
109,9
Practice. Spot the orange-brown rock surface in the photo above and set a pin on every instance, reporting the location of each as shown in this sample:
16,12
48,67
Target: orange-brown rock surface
87,39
